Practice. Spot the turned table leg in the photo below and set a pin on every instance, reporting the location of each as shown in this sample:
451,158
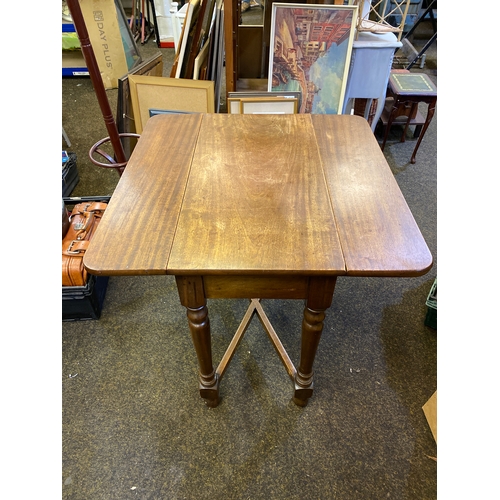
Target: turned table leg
319,299
192,296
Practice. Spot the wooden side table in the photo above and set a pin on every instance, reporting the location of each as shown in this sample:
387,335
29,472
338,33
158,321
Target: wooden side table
408,90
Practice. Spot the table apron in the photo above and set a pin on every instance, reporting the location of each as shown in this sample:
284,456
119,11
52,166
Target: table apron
264,287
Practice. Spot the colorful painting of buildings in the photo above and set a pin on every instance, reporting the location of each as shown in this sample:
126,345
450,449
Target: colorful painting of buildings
310,53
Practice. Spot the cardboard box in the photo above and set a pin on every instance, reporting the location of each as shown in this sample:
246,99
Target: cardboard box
101,20
430,411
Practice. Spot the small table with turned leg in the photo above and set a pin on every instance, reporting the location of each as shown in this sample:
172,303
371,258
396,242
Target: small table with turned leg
408,90
257,207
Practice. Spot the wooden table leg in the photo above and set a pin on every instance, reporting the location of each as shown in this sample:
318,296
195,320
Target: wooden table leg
394,111
430,113
192,296
319,299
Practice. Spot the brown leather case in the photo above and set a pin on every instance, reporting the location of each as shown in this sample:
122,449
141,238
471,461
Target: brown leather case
84,220
65,219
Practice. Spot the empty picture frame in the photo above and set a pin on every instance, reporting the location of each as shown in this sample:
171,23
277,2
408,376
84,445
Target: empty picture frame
263,105
176,94
310,51
270,106
242,94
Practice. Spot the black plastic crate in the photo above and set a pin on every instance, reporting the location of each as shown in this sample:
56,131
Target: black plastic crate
431,302
70,176
84,302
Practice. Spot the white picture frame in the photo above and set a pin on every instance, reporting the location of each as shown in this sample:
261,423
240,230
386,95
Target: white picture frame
278,105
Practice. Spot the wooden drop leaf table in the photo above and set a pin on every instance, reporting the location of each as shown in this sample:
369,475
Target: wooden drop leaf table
257,207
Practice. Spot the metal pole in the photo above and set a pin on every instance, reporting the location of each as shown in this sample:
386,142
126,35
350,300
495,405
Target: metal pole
95,76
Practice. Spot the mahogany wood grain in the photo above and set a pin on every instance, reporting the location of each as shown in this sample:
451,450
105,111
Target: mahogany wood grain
264,286
138,227
256,201
378,233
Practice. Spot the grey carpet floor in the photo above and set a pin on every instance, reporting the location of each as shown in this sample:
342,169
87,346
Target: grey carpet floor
134,426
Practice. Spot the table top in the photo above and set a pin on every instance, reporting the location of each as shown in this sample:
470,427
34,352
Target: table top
414,84
258,194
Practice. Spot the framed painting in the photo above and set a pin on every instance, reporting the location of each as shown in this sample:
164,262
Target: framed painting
175,94
310,52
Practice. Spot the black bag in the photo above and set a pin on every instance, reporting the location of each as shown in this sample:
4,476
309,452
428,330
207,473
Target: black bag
70,175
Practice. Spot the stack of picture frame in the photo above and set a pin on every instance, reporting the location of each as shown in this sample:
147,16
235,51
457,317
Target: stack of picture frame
200,52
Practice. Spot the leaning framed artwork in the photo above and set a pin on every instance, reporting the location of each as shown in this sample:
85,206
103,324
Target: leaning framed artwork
124,114
175,94
310,52
236,96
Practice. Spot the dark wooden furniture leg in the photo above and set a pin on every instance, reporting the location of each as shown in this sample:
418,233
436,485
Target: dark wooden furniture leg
413,108
396,111
389,123
319,299
430,113
192,297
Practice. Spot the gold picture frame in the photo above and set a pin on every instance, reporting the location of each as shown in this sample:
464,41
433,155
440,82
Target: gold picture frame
176,94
